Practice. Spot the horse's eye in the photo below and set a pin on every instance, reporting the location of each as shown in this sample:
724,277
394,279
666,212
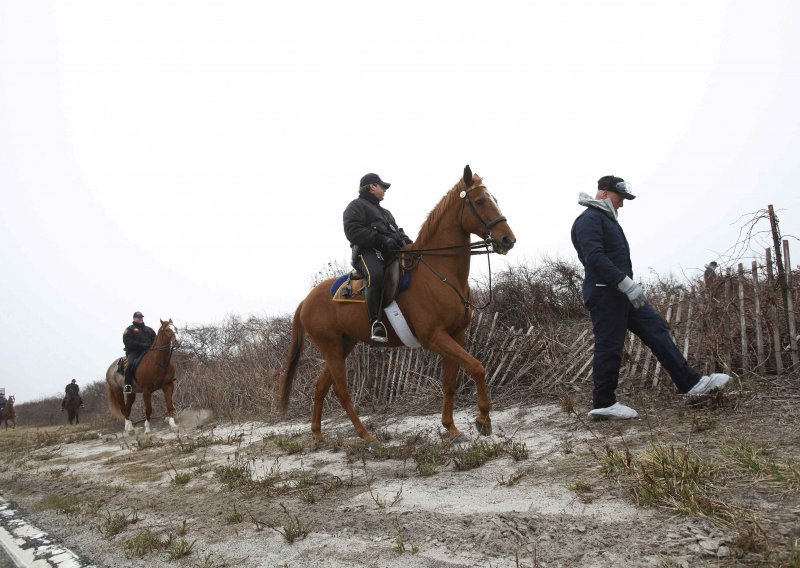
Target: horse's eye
480,201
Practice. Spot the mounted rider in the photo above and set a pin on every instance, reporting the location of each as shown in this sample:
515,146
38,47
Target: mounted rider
373,234
3,401
137,338
72,389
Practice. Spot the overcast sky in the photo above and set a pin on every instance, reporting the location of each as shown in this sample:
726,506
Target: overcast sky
192,159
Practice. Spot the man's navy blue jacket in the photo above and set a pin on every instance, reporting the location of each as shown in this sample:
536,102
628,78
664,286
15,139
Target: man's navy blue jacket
602,249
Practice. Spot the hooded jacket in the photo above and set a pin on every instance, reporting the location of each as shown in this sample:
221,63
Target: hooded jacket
601,246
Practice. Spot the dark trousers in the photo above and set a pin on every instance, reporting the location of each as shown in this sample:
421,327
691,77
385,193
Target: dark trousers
370,264
130,369
612,315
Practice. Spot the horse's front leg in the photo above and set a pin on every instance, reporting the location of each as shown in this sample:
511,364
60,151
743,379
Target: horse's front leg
148,409
168,389
449,375
454,354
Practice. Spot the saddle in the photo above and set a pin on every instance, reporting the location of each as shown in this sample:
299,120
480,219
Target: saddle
352,287
122,363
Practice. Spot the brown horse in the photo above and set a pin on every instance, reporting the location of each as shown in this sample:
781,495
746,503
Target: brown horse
436,306
72,404
155,372
8,413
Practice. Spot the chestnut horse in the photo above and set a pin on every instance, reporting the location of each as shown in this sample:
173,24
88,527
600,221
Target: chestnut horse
155,372
436,306
8,413
72,404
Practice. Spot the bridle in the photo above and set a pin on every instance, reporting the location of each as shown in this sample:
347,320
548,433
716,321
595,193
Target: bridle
173,344
419,254
465,198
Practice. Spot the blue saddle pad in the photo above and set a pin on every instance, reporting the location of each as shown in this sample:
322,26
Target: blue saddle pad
405,281
338,282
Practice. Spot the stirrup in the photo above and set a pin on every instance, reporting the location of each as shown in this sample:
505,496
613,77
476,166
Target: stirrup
379,332
127,389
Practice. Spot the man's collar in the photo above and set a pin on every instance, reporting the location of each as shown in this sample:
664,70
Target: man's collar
369,197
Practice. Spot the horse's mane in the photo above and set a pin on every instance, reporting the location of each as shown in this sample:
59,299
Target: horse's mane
431,224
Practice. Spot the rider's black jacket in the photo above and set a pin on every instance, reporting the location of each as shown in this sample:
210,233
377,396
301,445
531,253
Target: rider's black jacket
368,225
138,338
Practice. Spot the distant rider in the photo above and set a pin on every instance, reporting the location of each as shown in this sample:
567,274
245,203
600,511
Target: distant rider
2,401
373,234
72,389
137,338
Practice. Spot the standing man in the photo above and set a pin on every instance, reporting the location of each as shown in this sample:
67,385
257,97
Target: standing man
373,233
137,338
74,390
617,304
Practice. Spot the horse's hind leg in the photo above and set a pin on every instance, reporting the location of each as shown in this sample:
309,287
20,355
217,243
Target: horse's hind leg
334,357
324,383
320,392
129,400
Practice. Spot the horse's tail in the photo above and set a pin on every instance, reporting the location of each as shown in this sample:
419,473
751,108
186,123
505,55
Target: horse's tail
114,393
292,359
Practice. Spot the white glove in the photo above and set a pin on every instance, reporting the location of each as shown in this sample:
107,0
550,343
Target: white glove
633,291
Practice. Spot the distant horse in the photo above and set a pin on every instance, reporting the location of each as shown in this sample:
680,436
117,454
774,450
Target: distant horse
155,372
436,306
72,404
8,413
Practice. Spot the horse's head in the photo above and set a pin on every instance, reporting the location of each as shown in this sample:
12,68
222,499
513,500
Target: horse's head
170,332
484,217
10,400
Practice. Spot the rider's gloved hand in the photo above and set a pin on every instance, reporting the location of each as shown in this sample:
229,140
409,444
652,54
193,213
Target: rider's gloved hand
633,291
389,244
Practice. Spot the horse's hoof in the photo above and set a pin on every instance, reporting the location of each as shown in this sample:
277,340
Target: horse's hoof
485,428
460,439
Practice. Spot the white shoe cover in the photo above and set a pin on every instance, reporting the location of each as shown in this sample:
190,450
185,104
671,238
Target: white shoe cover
616,410
709,383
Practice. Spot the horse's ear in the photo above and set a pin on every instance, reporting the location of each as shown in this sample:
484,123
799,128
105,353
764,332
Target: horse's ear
170,320
467,176
162,321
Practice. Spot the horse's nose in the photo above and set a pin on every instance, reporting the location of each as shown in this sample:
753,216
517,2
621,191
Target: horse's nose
508,242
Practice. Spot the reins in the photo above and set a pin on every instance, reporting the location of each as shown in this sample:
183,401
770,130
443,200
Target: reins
472,250
171,347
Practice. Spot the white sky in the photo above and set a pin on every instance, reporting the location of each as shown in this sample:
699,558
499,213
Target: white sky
192,159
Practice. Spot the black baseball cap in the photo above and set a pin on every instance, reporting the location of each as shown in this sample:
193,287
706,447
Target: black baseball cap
138,314
369,179
617,185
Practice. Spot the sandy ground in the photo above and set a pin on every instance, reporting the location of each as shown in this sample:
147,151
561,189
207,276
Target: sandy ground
376,508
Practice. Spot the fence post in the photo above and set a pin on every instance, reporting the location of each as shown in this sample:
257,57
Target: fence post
761,361
742,321
790,306
726,324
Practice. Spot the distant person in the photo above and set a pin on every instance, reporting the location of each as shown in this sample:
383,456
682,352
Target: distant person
3,400
137,338
710,275
373,235
72,389
617,304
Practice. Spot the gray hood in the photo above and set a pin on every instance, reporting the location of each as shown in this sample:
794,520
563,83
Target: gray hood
604,205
